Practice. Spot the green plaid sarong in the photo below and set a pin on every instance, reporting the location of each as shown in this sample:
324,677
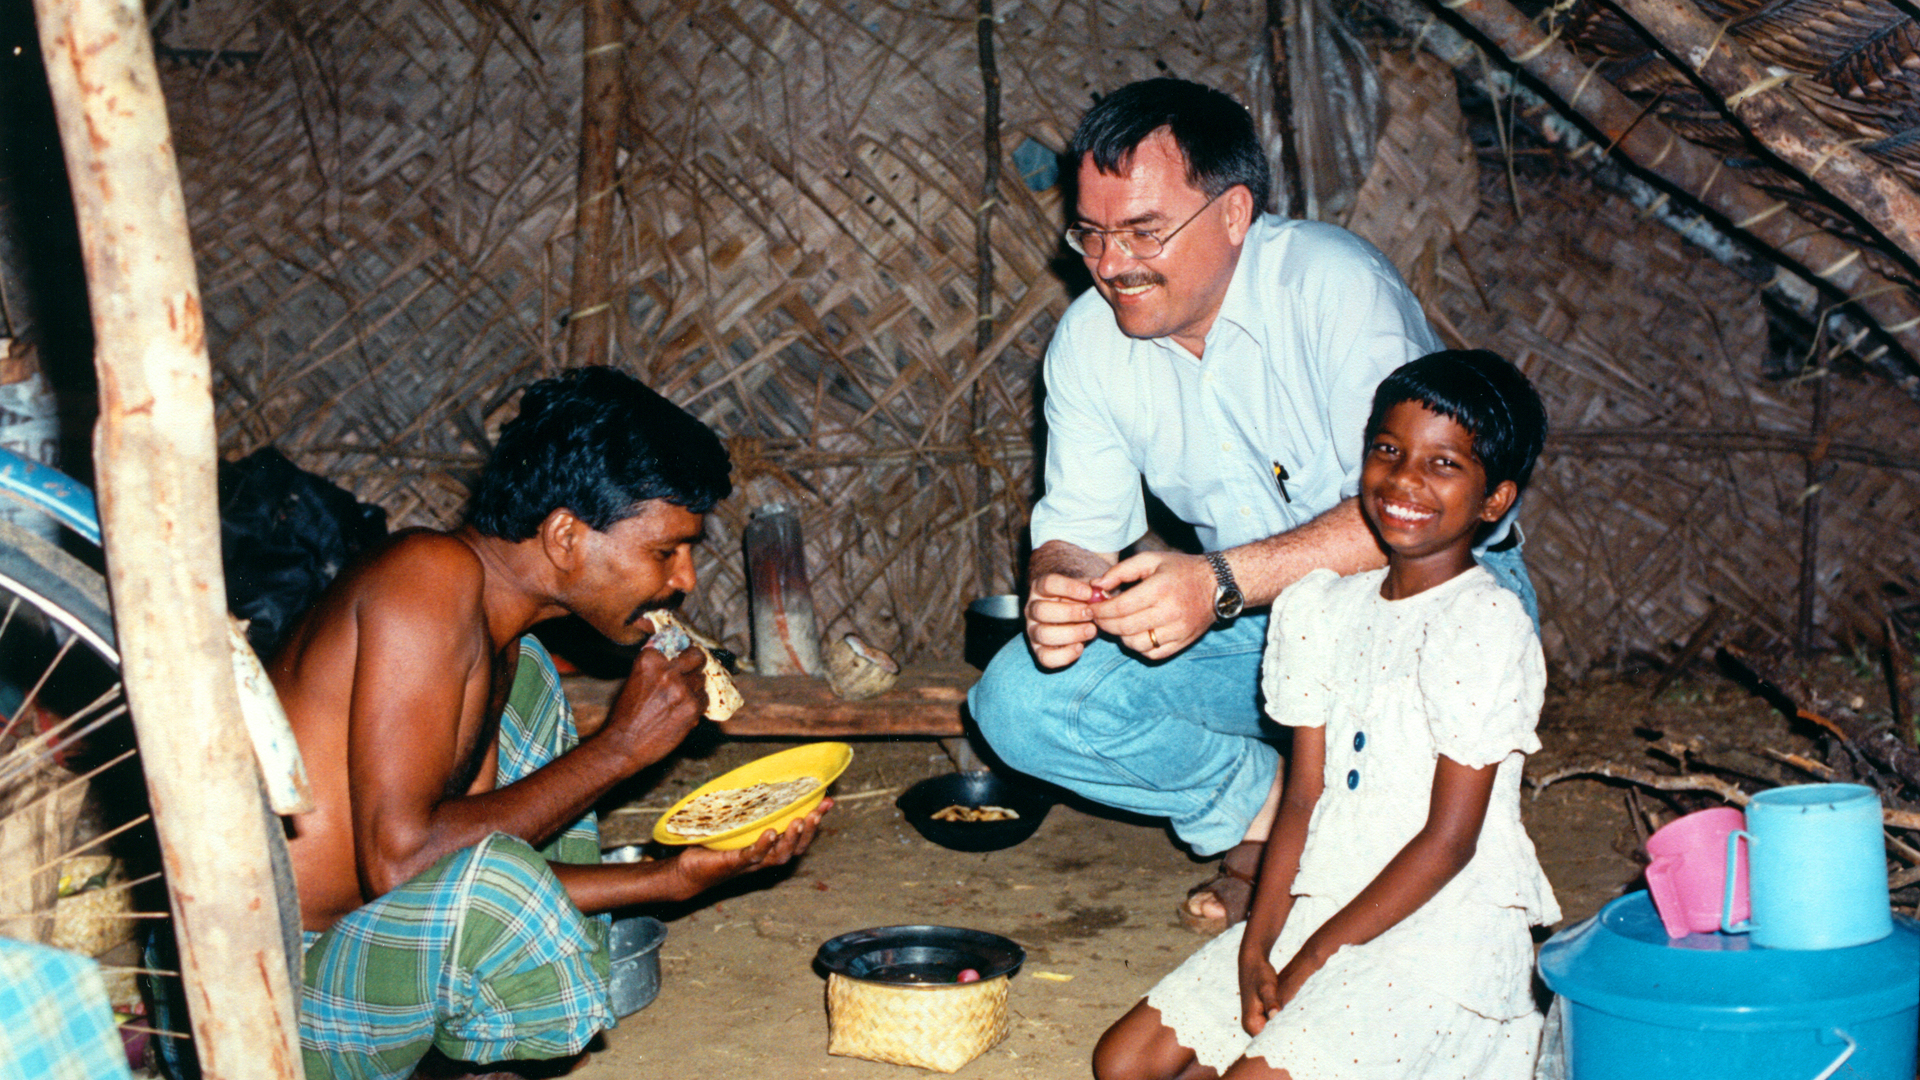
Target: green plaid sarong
482,955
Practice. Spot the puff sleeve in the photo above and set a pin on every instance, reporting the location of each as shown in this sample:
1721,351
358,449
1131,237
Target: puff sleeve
1295,667
1482,678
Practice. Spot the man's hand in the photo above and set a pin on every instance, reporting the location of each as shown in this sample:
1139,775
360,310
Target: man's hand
660,703
1161,602
698,869
1059,599
1060,618
597,887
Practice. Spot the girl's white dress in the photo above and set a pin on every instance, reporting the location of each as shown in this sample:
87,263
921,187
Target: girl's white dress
1446,993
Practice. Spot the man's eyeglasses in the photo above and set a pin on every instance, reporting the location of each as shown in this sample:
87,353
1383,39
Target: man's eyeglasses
1133,243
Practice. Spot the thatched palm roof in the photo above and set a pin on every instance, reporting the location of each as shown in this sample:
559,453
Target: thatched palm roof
1799,120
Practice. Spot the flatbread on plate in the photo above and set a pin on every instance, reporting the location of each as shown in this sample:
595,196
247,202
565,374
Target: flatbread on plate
715,812
815,763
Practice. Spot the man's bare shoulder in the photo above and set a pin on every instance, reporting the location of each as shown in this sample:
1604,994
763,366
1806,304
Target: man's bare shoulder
419,569
420,587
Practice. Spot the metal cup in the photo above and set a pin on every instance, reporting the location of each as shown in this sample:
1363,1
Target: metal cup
633,945
992,621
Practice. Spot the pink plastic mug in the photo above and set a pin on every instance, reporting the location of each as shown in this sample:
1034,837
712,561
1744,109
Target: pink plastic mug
1688,874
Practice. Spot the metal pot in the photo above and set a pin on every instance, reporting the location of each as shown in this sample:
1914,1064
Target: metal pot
634,945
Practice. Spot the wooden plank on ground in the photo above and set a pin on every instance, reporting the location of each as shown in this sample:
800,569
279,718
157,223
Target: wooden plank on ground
925,702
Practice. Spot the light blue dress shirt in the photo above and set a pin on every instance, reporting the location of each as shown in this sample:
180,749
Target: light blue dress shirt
1313,319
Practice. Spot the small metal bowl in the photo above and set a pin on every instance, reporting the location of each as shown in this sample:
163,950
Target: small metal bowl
633,945
921,801
919,955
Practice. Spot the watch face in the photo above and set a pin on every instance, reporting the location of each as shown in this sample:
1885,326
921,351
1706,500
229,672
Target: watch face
1228,603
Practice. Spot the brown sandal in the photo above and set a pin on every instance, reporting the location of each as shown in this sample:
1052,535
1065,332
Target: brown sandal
1231,884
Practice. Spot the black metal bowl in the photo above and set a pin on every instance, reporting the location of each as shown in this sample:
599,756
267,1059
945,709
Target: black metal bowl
919,955
921,801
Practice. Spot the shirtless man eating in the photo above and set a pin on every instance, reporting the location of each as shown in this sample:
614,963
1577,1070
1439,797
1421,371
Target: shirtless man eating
449,876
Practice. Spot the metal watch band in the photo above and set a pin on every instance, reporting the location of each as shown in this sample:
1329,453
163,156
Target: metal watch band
1222,574
1227,598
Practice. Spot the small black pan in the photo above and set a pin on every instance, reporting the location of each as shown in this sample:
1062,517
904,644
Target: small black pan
921,801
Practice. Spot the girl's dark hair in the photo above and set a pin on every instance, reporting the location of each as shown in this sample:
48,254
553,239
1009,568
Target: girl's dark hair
1481,392
599,443
1214,132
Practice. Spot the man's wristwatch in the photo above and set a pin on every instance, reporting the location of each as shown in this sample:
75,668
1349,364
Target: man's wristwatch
1227,601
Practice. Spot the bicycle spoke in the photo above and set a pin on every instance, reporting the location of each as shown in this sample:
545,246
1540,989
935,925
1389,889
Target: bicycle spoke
27,702
13,605
181,1035
31,755
93,843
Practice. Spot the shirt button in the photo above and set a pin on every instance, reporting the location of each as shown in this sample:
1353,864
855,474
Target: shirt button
1353,779
1359,740
1246,511
1226,448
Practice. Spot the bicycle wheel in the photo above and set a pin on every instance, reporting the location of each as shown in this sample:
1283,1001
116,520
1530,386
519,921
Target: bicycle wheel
72,797
80,865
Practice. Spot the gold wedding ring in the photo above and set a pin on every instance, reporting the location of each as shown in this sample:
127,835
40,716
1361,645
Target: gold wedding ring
1153,637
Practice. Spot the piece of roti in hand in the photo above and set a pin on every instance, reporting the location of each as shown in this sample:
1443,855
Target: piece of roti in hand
671,638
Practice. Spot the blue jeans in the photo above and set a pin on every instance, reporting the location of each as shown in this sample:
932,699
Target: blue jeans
1510,570
1183,739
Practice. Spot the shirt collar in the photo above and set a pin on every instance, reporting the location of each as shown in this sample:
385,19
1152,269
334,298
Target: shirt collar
1238,309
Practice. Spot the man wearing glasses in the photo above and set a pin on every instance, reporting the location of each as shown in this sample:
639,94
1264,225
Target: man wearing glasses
1227,362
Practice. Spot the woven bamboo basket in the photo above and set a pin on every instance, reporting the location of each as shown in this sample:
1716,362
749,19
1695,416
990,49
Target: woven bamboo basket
91,921
938,1027
36,825
96,921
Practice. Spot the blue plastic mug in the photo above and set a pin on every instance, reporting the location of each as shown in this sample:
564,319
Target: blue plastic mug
1818,868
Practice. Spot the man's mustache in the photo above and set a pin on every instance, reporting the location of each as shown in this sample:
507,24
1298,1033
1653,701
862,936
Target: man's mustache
1135,280
671,603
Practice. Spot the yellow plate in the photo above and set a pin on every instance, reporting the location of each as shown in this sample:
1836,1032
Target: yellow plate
823,761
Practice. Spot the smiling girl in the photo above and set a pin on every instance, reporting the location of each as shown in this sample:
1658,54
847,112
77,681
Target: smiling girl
1389,935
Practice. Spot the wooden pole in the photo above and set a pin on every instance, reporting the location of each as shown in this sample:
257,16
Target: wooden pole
1637,442
779,597
1818,470
602,105
1280,73
1899,682
154,459
983,287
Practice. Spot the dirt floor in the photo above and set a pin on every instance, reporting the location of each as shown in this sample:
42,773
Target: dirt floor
1091,895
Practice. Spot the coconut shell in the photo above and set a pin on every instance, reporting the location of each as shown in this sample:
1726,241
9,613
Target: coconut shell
857,671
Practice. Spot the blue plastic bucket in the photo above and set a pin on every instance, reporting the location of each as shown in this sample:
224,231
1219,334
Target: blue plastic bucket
1642,1006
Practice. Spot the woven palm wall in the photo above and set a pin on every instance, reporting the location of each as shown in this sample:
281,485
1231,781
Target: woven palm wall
382,201
1675,481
